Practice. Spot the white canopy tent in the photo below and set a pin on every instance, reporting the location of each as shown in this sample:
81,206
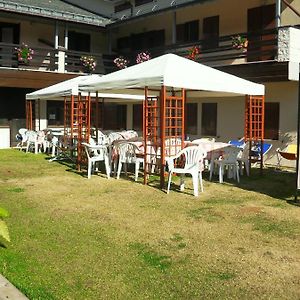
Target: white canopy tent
172,71
70,87
173,76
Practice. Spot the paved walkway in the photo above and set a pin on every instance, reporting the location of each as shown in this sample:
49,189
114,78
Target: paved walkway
8,291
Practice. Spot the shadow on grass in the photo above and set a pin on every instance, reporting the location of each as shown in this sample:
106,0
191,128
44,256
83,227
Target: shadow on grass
272,182
276,184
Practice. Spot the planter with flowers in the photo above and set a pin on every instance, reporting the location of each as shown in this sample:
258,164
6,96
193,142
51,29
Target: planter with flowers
239,43
89,63
121,62
193,53
24,54
143,56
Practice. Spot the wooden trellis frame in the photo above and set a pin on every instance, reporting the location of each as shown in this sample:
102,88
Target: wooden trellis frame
163,129
77,124
254,122
30,119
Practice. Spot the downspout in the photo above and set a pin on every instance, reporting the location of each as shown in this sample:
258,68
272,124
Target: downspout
278,13
56,36
174,37
66,36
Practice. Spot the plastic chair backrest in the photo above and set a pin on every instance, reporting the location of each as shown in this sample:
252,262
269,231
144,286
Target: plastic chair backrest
31,135
193,155
94,153
244,154
127,152
230,154
22,131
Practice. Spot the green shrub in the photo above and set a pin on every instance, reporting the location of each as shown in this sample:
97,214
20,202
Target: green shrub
4,233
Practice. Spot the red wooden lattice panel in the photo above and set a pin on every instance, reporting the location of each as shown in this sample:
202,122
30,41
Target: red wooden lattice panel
163,129
77,125
254,120
30,119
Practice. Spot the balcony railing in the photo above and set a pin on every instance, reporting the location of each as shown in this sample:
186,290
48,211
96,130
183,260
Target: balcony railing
262,46
44,59
265,45
49,59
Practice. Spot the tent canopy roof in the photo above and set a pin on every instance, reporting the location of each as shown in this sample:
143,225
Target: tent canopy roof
70,87
172,71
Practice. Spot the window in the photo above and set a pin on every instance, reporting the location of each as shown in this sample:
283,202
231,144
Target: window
123,6
141,2
114,116
79,41
123,43
209,119
147,40
55,113
210,32
191,116
138,117
272,120
187,32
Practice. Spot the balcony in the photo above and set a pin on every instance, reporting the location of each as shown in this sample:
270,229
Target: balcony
51,60
269,54
265,48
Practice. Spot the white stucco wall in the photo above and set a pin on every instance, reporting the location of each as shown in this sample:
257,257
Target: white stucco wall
4,137
230,116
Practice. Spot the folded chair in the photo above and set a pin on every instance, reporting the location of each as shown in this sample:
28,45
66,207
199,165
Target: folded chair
289,153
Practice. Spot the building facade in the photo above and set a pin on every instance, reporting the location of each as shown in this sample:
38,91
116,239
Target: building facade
256,40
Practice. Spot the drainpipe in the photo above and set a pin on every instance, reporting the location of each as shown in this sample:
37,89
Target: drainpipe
56,36
66,36
109,41
278,13
174,37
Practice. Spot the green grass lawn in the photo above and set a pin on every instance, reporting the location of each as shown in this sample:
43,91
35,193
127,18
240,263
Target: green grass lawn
74,238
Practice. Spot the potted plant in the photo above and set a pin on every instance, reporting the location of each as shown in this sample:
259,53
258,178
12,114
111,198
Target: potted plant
239,42
121,62
193,53
24,53
89,62
143,56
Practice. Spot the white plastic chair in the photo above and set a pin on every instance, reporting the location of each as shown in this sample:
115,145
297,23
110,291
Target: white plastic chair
193,157
32,141
21,138
227,160
96,153
128,154
243,159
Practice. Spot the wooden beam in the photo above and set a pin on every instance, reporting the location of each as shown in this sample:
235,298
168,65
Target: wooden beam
31,79
291,7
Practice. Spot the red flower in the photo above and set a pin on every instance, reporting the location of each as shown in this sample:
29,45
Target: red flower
193,53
